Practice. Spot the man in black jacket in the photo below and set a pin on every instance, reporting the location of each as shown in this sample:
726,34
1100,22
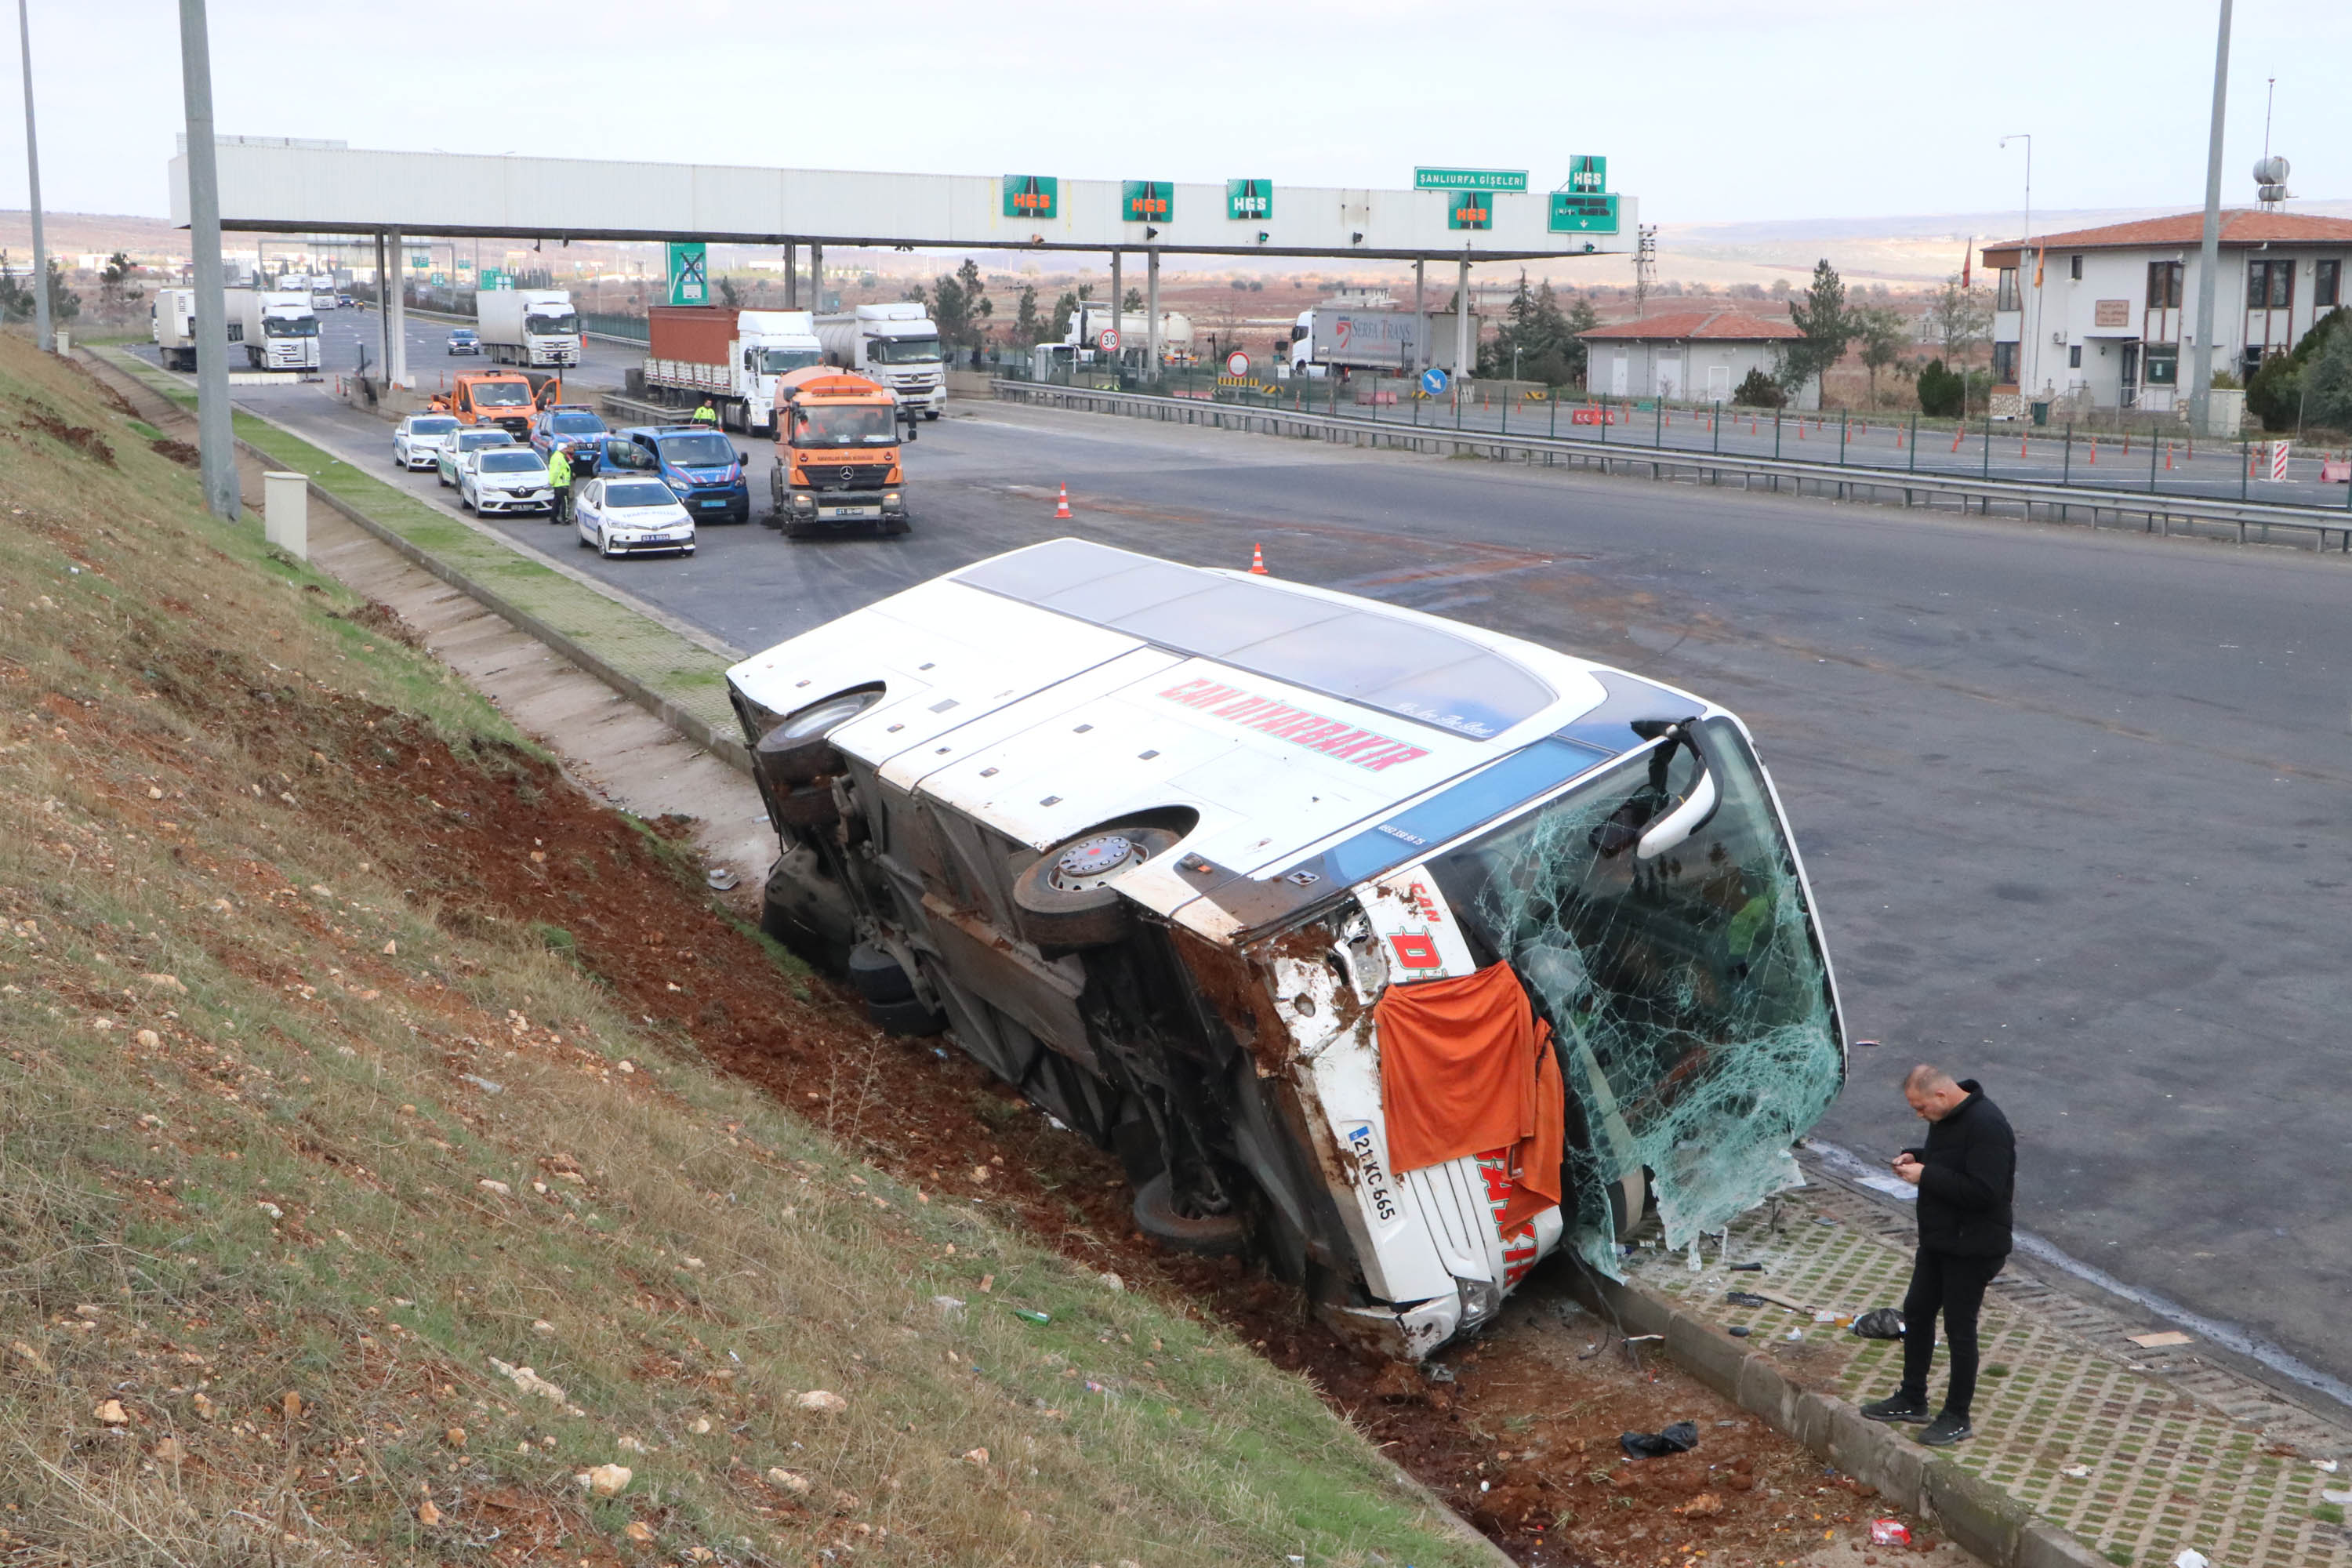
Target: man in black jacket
1967,1178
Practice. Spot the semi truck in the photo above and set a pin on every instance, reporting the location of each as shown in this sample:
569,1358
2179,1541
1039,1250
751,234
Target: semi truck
322,290
836,465
277,327
896,345
535,327
174,328
1090,319
1399,953
1328,338
735,357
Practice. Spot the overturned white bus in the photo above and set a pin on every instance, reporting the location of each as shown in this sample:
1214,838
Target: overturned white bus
1398,953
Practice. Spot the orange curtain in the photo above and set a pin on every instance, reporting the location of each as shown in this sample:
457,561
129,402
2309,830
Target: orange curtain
1466,1068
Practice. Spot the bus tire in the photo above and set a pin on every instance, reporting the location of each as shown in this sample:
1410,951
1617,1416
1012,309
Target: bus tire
1060,919
808,806
877,975
909,1019
1213,1236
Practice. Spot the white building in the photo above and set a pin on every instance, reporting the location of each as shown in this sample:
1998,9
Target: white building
2105,313
1698,355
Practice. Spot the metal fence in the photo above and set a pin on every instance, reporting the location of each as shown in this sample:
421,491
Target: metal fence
2089,457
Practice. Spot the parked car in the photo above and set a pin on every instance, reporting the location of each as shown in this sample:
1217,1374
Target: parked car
567,425
464,341
463,442
630,515
700,466
501,478
418,440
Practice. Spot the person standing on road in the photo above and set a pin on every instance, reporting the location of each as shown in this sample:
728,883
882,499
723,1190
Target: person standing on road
1967,1178
559,485
706,415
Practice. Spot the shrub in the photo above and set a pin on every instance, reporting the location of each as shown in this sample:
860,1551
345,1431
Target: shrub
1942,394
2275,396
1760,391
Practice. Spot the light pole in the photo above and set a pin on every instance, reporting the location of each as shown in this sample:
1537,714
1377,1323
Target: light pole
213,441
42,332
2208,253
2033,338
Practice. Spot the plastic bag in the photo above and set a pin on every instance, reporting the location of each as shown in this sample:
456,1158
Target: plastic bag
1679,1438
1889,1532
1880,1323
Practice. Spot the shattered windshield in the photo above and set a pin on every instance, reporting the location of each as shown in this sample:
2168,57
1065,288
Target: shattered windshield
1688,992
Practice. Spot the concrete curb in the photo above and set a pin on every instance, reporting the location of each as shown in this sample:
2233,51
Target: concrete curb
1985,1520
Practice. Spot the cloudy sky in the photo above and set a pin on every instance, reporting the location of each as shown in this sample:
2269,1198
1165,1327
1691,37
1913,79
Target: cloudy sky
1708,111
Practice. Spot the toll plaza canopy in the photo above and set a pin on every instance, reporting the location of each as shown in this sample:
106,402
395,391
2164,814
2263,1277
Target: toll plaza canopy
291,185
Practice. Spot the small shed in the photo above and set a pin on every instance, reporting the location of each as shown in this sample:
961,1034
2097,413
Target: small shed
1699,356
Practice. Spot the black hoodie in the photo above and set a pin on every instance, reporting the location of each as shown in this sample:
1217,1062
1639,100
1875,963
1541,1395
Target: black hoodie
1969,1180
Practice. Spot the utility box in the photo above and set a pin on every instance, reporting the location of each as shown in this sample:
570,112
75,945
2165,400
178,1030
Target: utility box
286,512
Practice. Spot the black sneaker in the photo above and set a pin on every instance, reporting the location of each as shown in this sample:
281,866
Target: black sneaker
1947,1429
1896,1407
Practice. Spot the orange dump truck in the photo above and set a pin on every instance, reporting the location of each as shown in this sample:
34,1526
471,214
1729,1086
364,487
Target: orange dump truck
837,437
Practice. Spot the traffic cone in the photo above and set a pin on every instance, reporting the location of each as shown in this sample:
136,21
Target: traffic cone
2168,457
2095,453
2021,446
1257,561
1062,506
1958,432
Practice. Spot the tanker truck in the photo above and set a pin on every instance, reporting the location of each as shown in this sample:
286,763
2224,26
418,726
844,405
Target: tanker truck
895,345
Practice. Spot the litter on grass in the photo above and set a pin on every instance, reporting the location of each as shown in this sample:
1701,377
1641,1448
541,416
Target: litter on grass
1889,1532
1879,1323
1679,1439
2192,1558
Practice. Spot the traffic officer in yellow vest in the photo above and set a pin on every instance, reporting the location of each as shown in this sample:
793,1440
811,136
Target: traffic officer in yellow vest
706,415
559,485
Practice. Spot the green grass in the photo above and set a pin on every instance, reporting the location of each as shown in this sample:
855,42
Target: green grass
2328,1513
244,1157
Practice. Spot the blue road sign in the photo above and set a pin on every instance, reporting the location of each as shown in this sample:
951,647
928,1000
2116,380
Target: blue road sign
1433,381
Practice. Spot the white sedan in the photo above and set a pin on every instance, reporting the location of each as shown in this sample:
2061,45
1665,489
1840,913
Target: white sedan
459,445
504,478
418,440
626,515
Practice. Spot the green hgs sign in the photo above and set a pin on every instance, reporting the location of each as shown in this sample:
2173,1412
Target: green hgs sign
1470,209
1470,179
1249,201
1588,175
1147,201
1575,214
1032,196
689,273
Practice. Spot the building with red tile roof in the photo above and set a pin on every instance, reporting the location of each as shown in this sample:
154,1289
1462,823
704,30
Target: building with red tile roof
1701,355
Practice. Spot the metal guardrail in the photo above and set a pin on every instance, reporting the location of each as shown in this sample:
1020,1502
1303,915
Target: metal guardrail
2251,523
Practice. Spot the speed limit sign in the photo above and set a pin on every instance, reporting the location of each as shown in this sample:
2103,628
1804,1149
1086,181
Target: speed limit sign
1109,339
1237,364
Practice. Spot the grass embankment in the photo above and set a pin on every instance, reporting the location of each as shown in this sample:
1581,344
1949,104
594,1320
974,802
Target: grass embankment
304,1158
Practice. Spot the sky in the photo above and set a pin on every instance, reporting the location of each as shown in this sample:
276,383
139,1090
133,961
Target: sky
1708,111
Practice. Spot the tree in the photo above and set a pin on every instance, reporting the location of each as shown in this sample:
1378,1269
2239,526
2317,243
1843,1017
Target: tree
1026,325
114,285
1958,318
2277,394
727,296
17,299
1536,338
1883,331
960,305
1827,325
1134,301
978,306
1066,308
2327,390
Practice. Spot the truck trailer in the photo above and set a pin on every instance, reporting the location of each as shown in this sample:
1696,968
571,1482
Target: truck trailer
535,327
1328,338
1398,953
735,357
174,326
1090,319
896,345
278,328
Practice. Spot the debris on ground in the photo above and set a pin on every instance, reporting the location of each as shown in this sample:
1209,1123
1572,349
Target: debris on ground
1889,1532
1679,1439
1879,1323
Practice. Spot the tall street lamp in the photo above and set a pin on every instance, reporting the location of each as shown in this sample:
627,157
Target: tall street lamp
43,333
2033,339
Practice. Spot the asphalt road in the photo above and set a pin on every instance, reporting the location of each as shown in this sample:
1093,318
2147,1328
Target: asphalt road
2074,803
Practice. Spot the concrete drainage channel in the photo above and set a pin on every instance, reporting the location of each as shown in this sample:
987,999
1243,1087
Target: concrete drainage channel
1984,1520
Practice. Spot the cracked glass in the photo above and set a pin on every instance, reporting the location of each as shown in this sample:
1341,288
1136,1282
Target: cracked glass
1687,993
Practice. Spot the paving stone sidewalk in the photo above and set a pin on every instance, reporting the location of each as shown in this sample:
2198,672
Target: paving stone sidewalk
2174,1450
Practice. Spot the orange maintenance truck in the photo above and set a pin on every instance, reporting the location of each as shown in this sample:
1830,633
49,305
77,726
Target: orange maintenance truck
502,398
837,440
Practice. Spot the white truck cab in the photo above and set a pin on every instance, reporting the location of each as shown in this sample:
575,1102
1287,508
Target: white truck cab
896,345
1190,857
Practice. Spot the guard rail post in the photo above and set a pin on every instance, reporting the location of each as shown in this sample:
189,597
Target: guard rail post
1914,443
1988,453
1658,428
1552,397
2152,445
1715,424
1844,417
1776,430
2066,474
2245,462
1506,410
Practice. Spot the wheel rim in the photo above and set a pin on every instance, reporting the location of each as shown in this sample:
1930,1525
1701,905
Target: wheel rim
1092,862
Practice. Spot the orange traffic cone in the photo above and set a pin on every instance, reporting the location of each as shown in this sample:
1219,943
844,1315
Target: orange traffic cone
1956,434
1062,506
2094,453
2168,457
1257,561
